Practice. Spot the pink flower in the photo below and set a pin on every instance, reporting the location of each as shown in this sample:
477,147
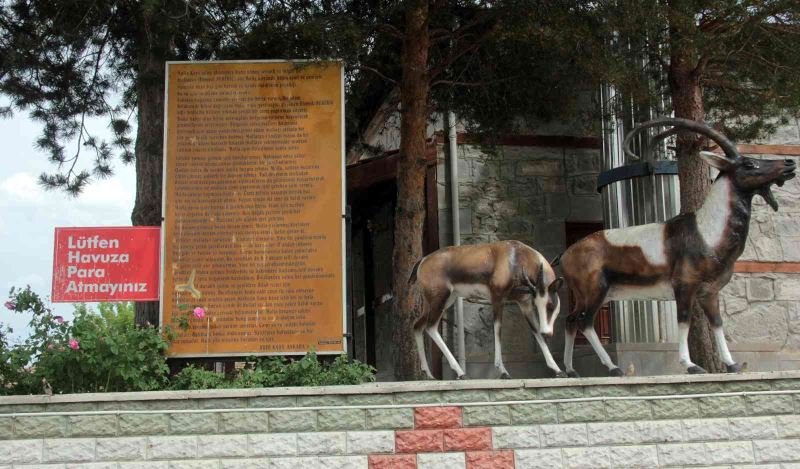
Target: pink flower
199,313
50,346
10,305
73,344
59,319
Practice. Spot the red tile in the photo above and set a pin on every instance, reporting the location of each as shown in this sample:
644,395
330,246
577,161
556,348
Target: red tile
393,461
490,460
437,417
468,439
418,441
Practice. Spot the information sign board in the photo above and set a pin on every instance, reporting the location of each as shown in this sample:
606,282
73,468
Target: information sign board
253,208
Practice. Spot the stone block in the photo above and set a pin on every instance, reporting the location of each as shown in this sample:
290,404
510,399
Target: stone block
69,450
221,446
121,449
584,458
722,406
92,425
195,464
533,413
424,397
534,208
776,450
250,463
321,443
292,421
441,461
785,384
635,432
225,403
294,463
144,465
735,305
746,386
654,389
272,401
143,424
171,447
537,458
169,404
343,462
584,185
393,461
416,441
193,423
729,452
272,444
6,428
788,426
753,428
246,422
21,451
787,288
634,456
490,460
370,442
582,161
588,411
437,417
680,454
769,404
561,393
85,465
628,410
564,435
675,408
321,400
40,426
541,167
520,436
73,407
760,289
341,419
706,429
390,419
370,399
514,394
551,185
608,391
468,439
486,415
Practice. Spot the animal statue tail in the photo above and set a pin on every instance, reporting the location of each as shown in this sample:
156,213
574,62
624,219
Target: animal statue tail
413,277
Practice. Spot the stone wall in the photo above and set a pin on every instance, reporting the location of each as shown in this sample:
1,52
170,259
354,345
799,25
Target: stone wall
670,421
525,193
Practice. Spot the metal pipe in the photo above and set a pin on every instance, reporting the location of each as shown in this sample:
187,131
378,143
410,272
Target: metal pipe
452,149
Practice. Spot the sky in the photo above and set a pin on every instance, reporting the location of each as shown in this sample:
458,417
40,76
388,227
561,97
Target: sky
29,213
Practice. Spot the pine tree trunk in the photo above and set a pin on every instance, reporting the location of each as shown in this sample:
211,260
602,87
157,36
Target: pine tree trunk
151,54
693,174
410,211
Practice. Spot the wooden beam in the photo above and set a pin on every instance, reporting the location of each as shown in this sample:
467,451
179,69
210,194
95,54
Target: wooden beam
767,267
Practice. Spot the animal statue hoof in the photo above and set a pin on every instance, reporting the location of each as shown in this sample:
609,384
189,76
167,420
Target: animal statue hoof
615,372
505,376
735,368
562,374
696,370
464,376
573,374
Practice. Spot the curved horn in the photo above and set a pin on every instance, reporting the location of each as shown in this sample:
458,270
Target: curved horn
678,125
541,274
527,279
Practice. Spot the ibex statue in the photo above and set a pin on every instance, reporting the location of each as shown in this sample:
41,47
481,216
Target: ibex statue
687,258
494,272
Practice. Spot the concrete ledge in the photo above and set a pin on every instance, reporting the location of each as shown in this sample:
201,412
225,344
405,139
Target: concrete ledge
399,387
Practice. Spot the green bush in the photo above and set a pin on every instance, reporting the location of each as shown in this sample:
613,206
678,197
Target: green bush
103,351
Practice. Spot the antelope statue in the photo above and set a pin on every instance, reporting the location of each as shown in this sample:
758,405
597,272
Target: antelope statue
687,258
494,272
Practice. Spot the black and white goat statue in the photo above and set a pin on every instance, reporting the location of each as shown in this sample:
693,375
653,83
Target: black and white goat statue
687,258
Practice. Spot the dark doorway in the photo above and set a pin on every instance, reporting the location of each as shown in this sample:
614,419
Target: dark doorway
575,231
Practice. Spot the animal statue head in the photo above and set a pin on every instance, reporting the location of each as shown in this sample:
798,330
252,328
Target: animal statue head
748,175
546,303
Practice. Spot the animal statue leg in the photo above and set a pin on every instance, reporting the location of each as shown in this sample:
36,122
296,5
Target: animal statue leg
591,336
548,358
423,360
433,332
497,308
436,303
710,305
569,345
684,298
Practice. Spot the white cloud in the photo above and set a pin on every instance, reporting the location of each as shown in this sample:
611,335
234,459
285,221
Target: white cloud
21,188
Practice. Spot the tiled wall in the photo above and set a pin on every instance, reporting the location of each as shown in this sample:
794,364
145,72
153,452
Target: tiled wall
679,421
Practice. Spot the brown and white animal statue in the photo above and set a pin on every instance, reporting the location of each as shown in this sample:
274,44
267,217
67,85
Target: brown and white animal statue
687,258
493,272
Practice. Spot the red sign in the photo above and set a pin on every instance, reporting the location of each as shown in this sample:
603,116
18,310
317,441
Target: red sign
106,264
